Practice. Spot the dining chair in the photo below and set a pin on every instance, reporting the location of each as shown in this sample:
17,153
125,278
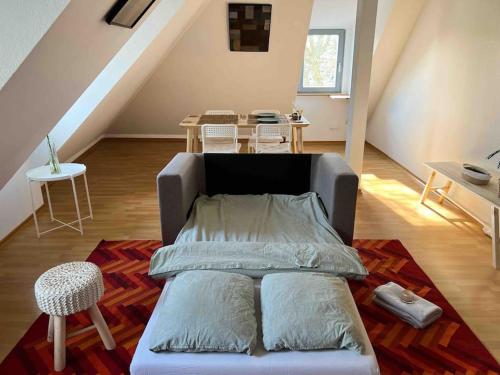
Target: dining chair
273,139
220,112
221,139
251,140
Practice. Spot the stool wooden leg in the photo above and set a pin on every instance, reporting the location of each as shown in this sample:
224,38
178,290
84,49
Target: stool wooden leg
59,343
50,331
102,327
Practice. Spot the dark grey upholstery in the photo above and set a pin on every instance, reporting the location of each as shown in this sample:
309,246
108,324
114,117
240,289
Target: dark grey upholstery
184,178
337,186
178,185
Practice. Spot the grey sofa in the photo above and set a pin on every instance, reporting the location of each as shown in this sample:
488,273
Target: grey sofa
188,175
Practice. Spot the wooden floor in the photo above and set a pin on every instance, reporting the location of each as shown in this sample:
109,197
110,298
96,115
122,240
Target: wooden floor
448,245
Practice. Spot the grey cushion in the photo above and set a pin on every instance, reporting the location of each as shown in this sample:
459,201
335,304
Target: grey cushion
308,311
207,311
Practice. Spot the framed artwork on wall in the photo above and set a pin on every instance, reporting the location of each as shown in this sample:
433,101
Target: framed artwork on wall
249,27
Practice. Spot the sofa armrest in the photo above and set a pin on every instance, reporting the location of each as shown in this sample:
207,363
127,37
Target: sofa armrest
178,185
337,186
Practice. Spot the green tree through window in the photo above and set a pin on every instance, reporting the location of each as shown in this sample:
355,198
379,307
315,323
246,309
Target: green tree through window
322,70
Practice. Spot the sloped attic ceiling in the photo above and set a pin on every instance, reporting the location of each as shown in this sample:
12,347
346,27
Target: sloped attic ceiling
67,59
22,24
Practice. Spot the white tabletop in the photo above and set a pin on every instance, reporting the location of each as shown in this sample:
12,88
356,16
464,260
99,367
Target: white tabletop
68,170
453,171
191,121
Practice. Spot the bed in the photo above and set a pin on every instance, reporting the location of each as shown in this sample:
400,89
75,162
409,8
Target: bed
321,362
221,186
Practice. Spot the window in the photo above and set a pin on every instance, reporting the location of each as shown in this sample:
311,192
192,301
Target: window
323,61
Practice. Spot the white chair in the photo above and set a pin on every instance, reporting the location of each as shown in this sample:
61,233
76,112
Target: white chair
220,112
273,139
257,111
220,139
251,140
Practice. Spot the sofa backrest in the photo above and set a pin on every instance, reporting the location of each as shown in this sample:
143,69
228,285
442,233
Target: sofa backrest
257,173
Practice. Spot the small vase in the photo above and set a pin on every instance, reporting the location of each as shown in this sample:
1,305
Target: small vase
55,168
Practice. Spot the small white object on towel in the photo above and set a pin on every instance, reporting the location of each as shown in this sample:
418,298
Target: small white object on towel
419,314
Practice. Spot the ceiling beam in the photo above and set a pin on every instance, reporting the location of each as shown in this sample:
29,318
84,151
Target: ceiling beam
366,16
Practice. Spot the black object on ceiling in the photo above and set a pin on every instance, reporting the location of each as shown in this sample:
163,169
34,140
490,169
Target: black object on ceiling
127,13
249,27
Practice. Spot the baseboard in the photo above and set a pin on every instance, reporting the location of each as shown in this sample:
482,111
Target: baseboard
328,142
13,231
166,136
183,136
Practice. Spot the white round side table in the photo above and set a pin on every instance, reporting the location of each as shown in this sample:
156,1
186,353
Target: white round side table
68,172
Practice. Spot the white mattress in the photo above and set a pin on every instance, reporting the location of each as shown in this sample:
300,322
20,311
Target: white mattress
324,362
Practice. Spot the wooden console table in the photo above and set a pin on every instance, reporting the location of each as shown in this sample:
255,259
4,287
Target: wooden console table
488,193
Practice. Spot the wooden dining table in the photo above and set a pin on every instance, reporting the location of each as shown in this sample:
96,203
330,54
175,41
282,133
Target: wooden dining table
193,123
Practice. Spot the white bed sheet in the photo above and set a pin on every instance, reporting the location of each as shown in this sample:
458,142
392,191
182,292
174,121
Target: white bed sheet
324,362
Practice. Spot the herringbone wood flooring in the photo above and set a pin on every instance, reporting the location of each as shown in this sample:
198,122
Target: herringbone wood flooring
447,244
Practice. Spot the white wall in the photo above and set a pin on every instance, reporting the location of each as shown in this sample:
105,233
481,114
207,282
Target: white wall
328,117
384,11
22,24
442,101
398,27
201,73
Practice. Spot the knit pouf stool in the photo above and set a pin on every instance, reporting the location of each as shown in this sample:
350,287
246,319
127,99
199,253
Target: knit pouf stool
65,290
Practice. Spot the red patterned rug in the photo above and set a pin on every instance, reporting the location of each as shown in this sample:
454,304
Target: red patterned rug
446,347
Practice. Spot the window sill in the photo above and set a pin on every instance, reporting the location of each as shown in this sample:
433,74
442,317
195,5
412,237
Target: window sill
340,96
332,95
316,93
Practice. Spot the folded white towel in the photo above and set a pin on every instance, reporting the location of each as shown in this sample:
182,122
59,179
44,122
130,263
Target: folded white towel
419,314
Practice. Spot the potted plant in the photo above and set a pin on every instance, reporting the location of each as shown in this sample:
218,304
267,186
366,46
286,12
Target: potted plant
55,168
477,175
490,156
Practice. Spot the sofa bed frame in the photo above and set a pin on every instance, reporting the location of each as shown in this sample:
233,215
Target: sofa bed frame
189,175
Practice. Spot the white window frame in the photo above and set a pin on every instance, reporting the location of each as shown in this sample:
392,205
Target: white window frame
340,63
